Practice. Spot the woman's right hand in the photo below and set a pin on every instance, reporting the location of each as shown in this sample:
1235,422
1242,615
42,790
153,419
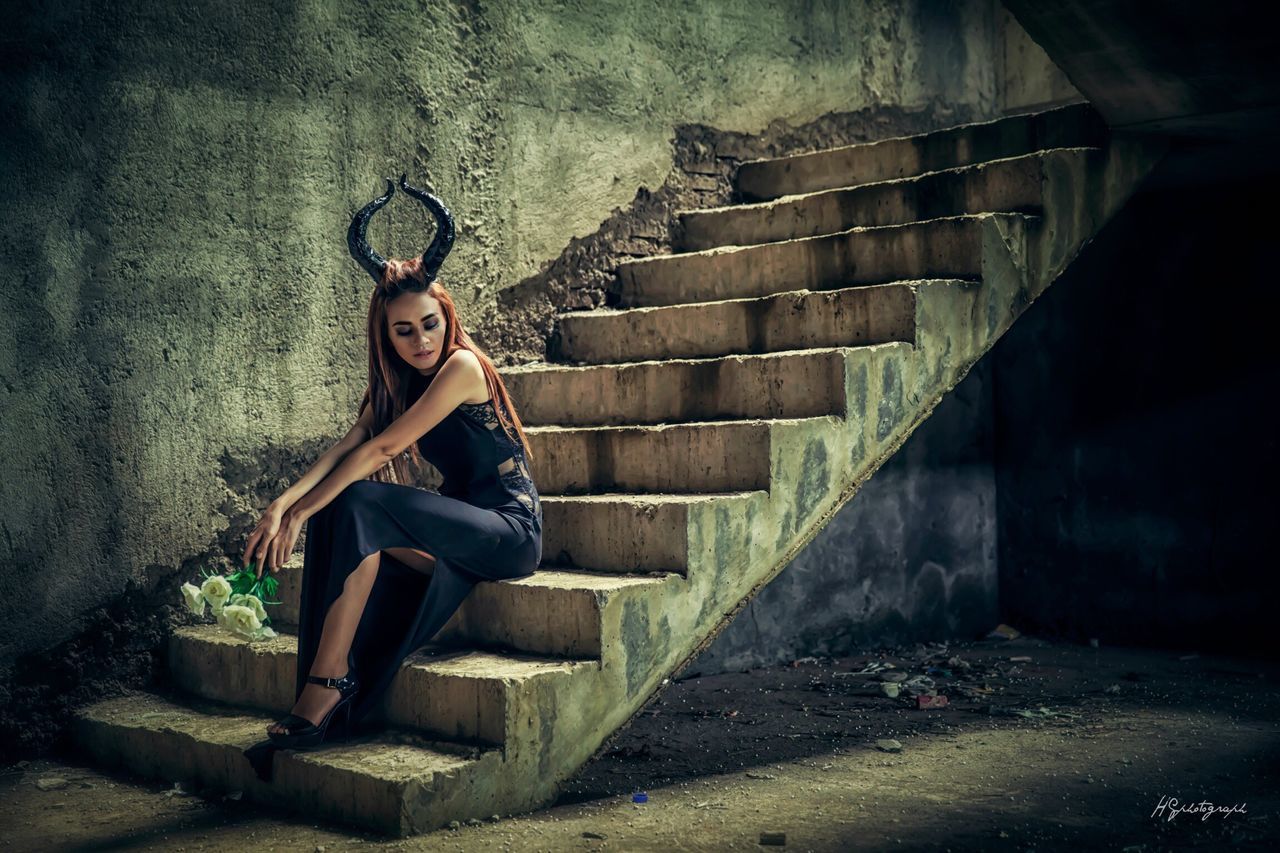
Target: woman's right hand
255,550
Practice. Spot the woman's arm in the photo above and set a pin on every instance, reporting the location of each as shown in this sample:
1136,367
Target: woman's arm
328,460
456,380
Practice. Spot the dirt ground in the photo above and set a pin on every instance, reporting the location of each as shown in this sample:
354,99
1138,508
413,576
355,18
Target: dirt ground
1042,746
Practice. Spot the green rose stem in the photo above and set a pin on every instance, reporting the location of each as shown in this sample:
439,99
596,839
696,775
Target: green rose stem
245,581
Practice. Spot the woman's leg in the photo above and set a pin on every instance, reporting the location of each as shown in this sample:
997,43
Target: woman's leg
343,553
335,641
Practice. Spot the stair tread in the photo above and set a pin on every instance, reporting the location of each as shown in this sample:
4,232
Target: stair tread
792,198
799,291
1049,114
437,658
730,423
559,577
586,580
548,366
756,247
654,497
392,755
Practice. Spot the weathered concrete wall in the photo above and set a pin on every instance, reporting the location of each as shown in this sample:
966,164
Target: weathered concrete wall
1136,458
1028,77
182,325
911,557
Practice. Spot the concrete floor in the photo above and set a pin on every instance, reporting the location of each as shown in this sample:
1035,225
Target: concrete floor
1104,734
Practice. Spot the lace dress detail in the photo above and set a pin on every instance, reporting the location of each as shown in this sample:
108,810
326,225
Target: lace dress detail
513,471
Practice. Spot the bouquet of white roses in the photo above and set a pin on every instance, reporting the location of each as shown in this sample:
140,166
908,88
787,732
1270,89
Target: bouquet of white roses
238,600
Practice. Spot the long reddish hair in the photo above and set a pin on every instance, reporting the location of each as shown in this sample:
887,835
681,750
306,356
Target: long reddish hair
390,377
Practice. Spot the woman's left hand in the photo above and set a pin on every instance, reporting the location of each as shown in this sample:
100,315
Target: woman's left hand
280,548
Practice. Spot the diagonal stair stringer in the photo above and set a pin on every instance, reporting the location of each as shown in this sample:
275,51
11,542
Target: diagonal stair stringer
889,392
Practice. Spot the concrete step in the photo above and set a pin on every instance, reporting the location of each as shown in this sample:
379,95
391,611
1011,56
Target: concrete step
794,384
949,247
689,458
607,534
465,695
620,533
1075,125
1014,184
555,611
396,782
558,612
796,319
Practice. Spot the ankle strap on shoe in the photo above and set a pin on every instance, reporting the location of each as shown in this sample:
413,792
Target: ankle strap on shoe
329,681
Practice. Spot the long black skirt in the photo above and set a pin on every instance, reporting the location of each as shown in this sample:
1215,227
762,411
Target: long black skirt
406,608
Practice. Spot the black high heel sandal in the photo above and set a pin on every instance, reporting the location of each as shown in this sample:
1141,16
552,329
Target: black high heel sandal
301,733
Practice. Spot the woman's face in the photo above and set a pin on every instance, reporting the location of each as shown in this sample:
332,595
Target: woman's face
415,325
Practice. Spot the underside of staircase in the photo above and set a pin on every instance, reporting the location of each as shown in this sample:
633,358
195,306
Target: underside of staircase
690,443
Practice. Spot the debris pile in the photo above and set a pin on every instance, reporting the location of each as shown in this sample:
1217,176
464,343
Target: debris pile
931,675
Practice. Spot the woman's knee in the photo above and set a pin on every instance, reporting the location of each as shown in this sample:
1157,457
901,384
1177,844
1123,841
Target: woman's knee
420,561
364,573
354,495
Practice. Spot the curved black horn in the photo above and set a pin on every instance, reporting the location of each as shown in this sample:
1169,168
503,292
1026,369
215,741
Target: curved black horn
443,241
356,242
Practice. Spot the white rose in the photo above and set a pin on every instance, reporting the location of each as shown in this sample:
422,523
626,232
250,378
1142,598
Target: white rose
194,598
240,620
252,602
216,591
264,633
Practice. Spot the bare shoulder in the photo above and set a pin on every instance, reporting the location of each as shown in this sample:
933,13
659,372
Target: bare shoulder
471,362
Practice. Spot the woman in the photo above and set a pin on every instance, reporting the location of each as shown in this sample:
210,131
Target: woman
386,564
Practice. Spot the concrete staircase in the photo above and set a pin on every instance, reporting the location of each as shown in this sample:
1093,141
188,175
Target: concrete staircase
692,443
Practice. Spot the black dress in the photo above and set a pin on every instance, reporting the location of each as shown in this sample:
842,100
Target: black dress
485,523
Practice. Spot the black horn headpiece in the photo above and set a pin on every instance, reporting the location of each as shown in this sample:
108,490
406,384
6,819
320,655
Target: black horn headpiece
435,254
358,245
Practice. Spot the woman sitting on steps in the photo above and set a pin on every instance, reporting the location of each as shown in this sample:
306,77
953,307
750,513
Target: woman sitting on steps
387,564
